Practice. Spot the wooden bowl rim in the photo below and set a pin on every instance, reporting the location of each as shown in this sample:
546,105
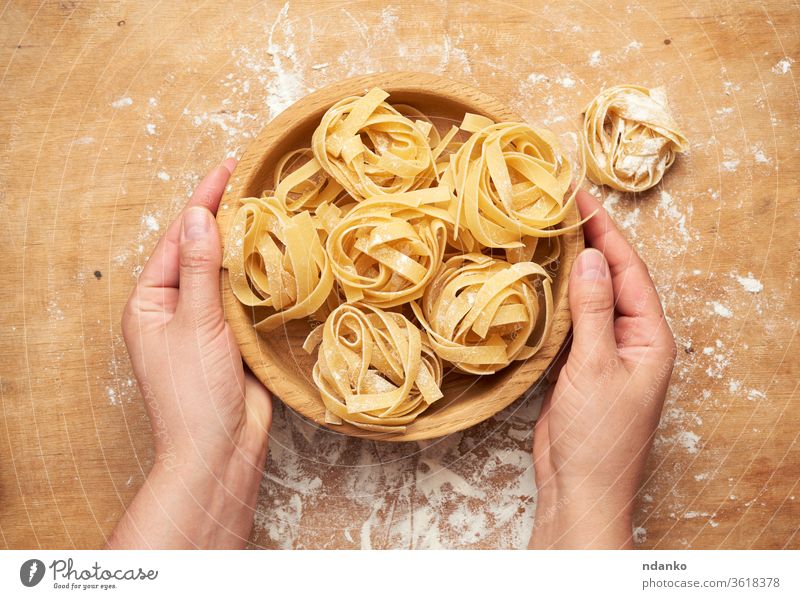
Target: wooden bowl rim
257,357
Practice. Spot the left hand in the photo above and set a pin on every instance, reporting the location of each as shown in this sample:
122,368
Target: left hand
210,419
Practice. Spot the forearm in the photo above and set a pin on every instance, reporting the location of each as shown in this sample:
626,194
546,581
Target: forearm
578,519
193,506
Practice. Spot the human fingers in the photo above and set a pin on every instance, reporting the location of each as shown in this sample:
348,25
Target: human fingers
200,258
162,269
635,294
591,304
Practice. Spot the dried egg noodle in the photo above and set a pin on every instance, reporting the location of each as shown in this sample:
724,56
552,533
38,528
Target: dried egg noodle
307,186
384,212
629,137
374,369
276,260
510,181
371,149
480,312
387,248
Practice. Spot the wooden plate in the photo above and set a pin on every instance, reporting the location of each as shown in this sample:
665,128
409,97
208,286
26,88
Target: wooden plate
278,359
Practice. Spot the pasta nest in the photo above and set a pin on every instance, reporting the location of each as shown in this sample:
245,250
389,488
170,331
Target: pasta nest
301,184
629,137
371,149
381,211
374,368
387,249
277,261
510,181
480,312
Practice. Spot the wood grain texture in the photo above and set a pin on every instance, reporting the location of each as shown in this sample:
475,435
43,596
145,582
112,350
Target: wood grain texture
278,358
111,111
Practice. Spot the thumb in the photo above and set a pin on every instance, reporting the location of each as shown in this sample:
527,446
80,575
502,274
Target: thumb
200,259
258,403
591,301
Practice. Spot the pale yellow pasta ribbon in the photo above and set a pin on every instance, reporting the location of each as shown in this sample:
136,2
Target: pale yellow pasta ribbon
629,138
301,184
480,313
276,260
374,369
371,149
511,181
387,248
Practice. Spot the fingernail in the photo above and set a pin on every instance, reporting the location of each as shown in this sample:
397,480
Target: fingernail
196,222
592,266
229,164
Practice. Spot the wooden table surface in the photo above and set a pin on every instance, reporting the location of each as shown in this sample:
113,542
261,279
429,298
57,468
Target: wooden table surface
111,111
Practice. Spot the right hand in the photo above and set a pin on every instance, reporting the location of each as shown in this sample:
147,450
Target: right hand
597,424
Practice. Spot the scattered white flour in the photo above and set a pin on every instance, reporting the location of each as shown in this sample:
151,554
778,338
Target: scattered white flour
750,283
716,368
734,385
281,520
692,515
535,78
634,45
625,217
667,207
389,18
567,82
122,102
725,111
783,66
163,175
150,223
759,156
701,476
84,141
730,87
730,165
721,310
54,311
468,488
286,85
754,394
151,128
639,535
594,58
688,441
630,220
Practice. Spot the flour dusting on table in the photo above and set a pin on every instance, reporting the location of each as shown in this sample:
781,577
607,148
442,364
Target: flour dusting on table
476,488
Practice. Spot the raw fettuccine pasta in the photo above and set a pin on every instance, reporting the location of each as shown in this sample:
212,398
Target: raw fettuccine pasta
387,249
276,260
480,313
301,184
385,219
374,369
371,149
629,137
510,181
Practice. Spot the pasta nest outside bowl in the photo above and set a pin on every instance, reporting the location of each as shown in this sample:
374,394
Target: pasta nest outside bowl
277,357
